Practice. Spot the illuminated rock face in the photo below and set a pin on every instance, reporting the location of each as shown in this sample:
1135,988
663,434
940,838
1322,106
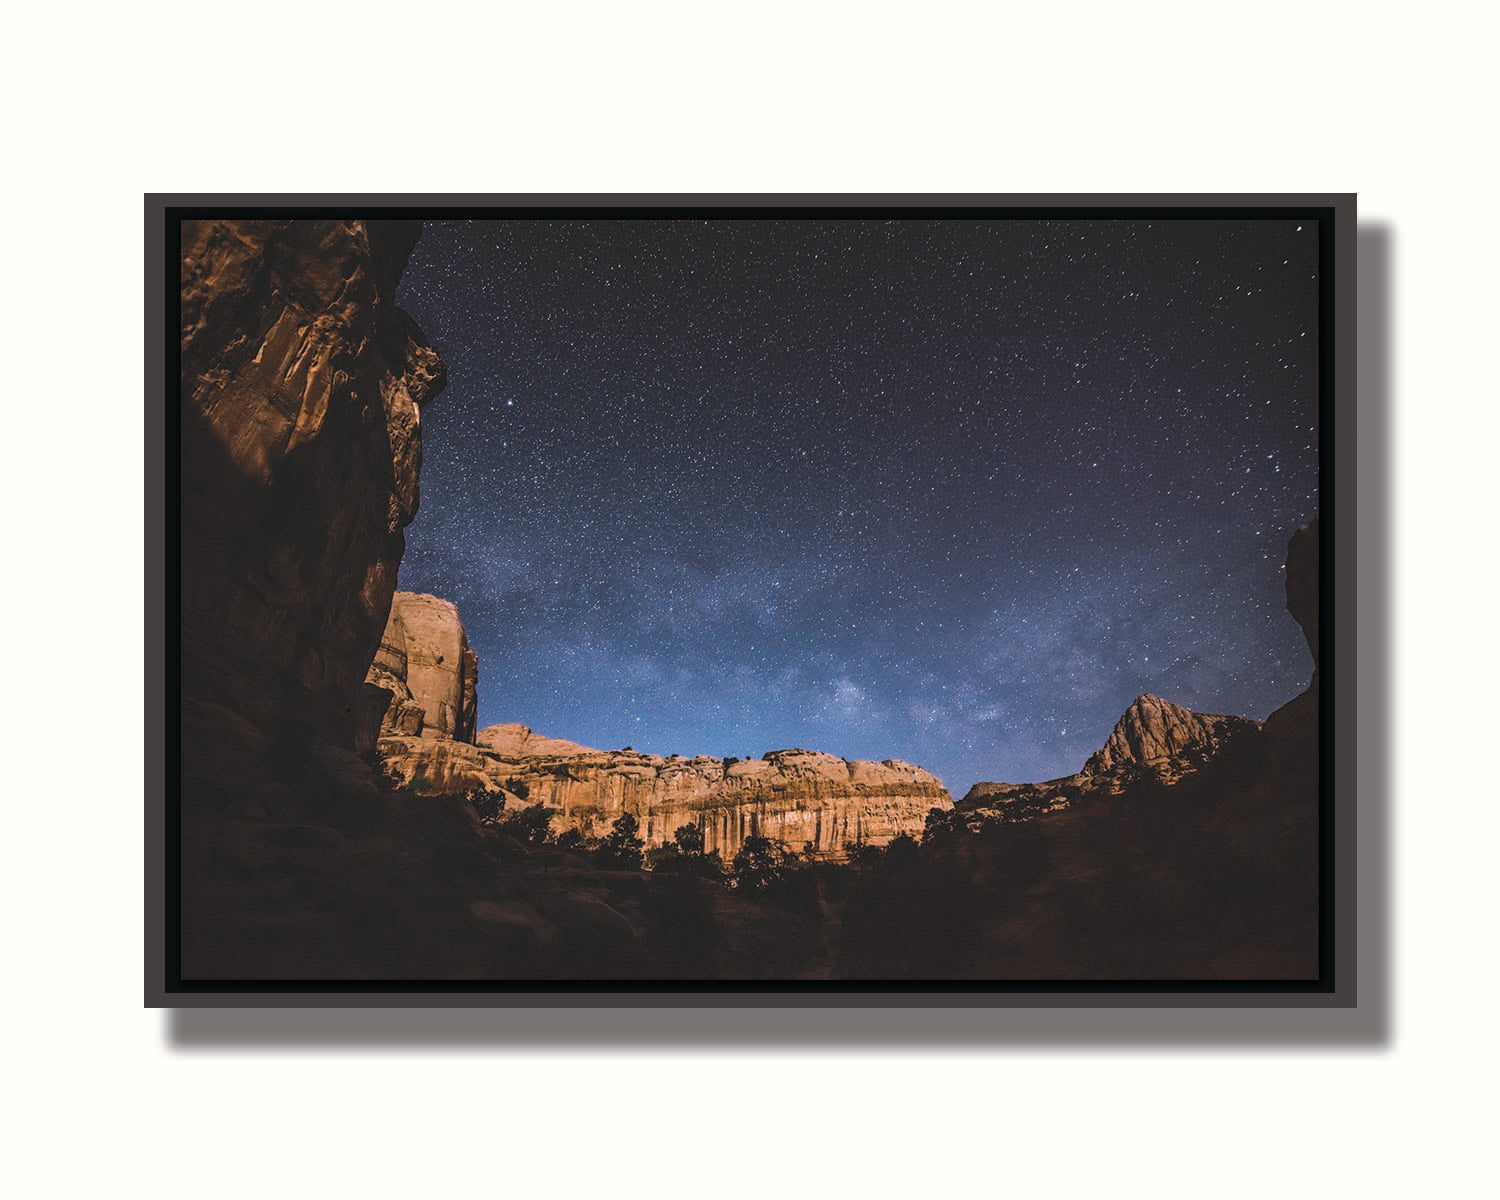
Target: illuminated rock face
425,663
1155,732
797,797
301,446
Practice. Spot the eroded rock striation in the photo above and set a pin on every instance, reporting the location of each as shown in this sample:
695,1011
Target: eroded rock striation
301,390
425,665
795,796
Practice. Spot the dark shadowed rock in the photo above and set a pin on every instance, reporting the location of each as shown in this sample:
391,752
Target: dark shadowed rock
1302,557
301,444
1292,730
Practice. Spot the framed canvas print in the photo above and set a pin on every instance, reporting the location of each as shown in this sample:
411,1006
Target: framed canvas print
706,597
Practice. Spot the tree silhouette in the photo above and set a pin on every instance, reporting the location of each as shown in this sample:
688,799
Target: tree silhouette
531,824
901,850
689,839
667,858
486,805
623,848
756,864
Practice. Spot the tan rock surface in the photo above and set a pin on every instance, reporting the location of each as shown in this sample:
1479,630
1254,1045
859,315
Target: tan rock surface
519,741
792,796
402,713
1155,732
424,661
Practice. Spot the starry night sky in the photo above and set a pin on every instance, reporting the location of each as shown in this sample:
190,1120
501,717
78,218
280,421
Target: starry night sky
948,491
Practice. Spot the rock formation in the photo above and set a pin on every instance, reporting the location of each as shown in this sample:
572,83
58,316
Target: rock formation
1157,733
791,796
1153,738
425,673
1165,742
1187,849
425,664
1292,730
301,443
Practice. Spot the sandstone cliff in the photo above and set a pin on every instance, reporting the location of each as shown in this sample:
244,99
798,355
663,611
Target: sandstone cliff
301,444
792,796
425,664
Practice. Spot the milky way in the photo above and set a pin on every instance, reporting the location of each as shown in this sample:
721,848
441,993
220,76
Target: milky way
947,491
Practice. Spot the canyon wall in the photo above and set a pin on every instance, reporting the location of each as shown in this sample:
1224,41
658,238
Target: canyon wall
301,390
427,742
792,796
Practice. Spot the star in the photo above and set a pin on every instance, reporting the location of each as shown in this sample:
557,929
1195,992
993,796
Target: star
950,468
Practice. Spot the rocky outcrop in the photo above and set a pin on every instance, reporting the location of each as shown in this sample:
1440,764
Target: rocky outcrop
425,665
1302,559
1188,850
1157,733
792,796
1154,740
1292,730
518,741
1162,743
1154,743
301,391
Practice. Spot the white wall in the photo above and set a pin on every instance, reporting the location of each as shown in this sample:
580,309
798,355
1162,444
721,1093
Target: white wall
1396,103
